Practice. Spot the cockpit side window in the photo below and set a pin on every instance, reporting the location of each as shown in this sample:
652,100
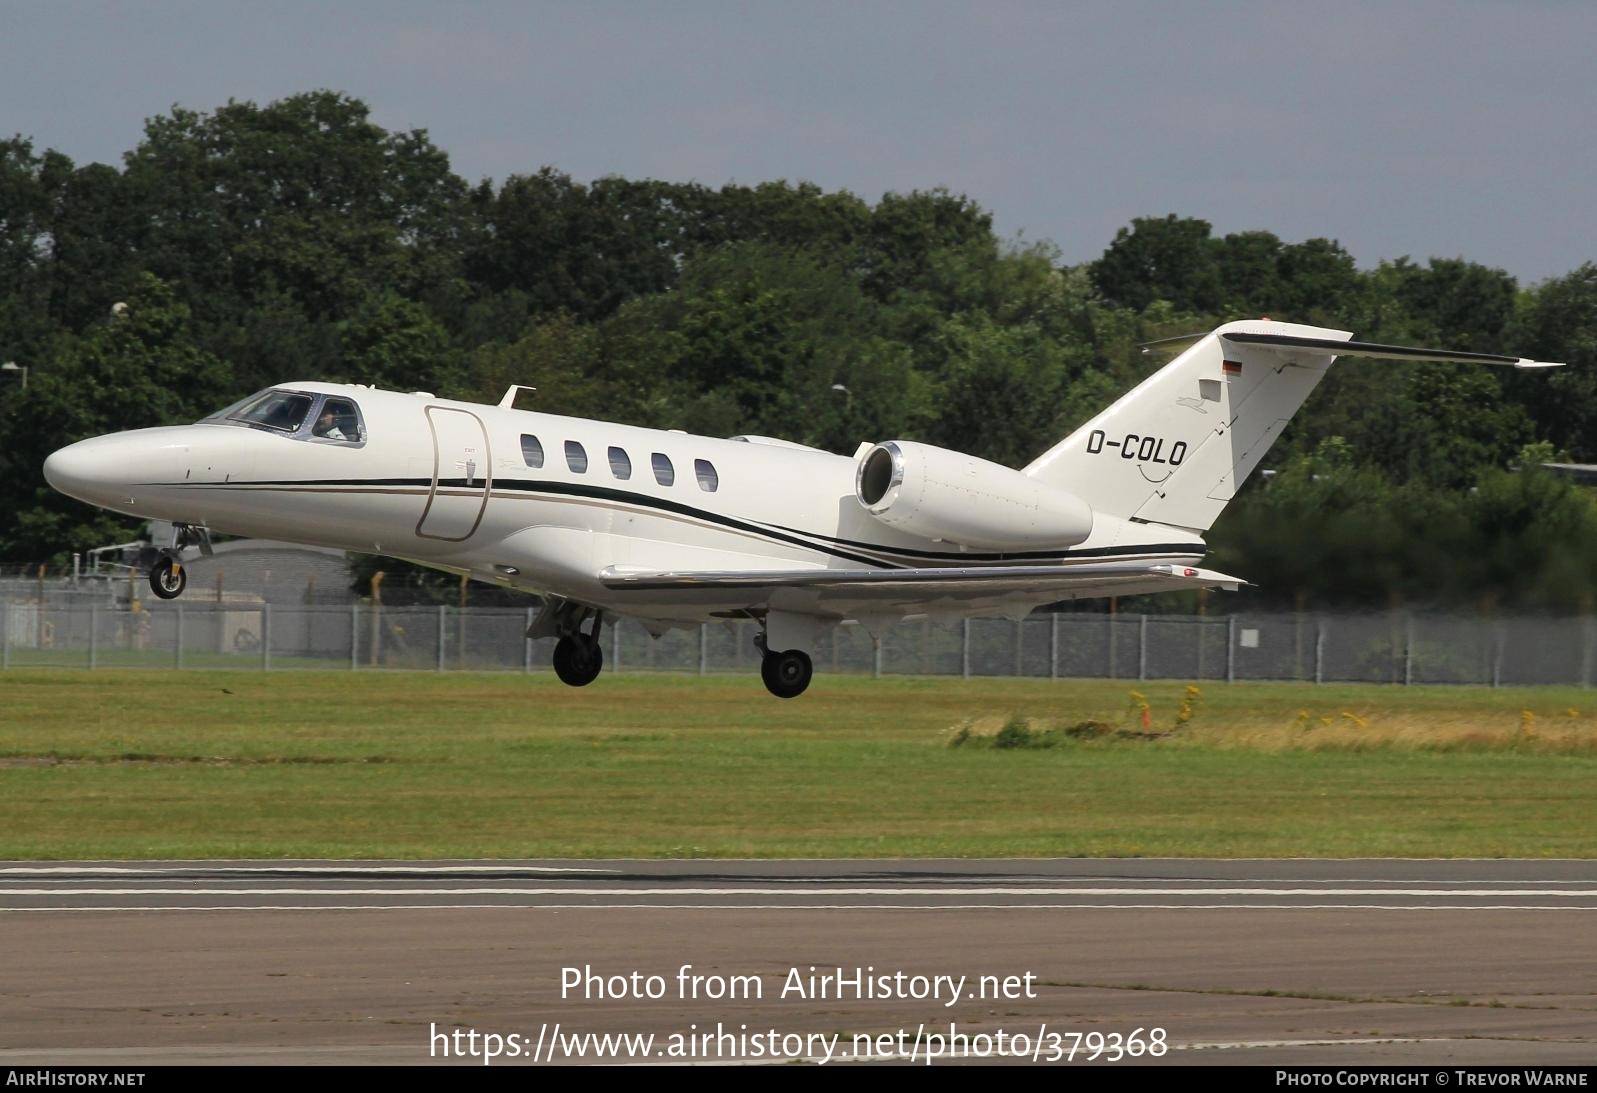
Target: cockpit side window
337,420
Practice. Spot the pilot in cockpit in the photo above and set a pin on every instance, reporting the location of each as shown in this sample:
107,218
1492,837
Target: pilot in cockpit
327,425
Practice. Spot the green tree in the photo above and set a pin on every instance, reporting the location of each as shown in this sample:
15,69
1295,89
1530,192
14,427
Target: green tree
304,196
1169,258
1559,323
389,341
138,370
27,182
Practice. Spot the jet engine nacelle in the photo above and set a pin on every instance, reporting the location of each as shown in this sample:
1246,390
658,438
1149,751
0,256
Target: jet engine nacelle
958,498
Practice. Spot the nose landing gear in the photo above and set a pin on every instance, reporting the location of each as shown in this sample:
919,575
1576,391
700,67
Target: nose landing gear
168,578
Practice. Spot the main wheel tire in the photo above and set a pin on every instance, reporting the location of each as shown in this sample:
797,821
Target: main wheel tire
786,675
168,579
578,660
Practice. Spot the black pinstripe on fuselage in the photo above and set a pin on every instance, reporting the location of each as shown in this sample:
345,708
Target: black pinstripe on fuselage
878,555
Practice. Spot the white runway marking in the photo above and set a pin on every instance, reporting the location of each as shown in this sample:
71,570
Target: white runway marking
805,907
1456,893
206,867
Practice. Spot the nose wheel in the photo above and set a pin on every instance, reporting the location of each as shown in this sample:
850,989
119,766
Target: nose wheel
786,675
168,579
578,659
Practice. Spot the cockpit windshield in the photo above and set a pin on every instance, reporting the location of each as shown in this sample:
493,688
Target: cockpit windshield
298,414
284,411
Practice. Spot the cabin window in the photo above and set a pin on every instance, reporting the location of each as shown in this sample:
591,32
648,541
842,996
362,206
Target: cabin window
531,451
338,420
704,471
664,473
576,457
620,463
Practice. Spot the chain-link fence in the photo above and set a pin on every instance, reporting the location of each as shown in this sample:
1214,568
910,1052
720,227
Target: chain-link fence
1393,648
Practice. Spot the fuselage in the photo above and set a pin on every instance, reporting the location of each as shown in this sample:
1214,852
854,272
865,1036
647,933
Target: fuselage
534,501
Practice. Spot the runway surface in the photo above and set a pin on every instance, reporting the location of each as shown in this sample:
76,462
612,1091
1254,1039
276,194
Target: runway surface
1345,962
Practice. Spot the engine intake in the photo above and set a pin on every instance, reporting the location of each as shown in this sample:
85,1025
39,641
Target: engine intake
939,494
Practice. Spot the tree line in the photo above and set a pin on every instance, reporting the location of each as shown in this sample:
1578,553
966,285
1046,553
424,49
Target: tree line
256,245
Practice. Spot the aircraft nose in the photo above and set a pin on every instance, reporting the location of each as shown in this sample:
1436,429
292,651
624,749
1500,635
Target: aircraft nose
74,468
80,470
121,471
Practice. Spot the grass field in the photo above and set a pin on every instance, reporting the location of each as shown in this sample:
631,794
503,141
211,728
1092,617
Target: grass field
205,764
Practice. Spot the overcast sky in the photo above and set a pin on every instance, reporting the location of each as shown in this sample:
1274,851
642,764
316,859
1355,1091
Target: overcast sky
1420,128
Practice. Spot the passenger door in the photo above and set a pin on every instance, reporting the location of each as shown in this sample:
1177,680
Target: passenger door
462,475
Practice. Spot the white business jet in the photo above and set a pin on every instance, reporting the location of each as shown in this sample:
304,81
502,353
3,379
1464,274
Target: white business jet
609,520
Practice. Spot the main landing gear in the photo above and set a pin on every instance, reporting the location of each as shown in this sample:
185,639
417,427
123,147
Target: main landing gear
786,674
578,657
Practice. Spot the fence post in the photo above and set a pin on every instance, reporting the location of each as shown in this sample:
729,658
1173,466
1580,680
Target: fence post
177,655
266,637
1319,650
1231,649
704,648
1142,646
443,628
876,656
1408,651
1497,656
1020,639
1053,645
615,646
1109,620
5,637
526,645
1587,644
94,632
964,649
354,636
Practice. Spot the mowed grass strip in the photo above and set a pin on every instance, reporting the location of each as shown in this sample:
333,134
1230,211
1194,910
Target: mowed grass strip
201,764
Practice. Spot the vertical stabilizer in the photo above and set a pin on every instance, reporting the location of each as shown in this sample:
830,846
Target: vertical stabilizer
1179,445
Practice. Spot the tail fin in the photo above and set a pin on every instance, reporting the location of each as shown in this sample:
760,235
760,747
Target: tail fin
1177,448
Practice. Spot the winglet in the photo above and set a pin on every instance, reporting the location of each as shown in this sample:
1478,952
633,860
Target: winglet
1206,577
1525,363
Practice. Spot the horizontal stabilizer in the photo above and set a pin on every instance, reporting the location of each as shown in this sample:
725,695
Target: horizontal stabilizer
1334,347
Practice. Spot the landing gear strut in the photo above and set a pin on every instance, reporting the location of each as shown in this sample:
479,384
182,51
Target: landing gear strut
786,674
578,657
167,578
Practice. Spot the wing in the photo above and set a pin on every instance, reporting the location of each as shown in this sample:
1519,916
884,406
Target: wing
840,591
